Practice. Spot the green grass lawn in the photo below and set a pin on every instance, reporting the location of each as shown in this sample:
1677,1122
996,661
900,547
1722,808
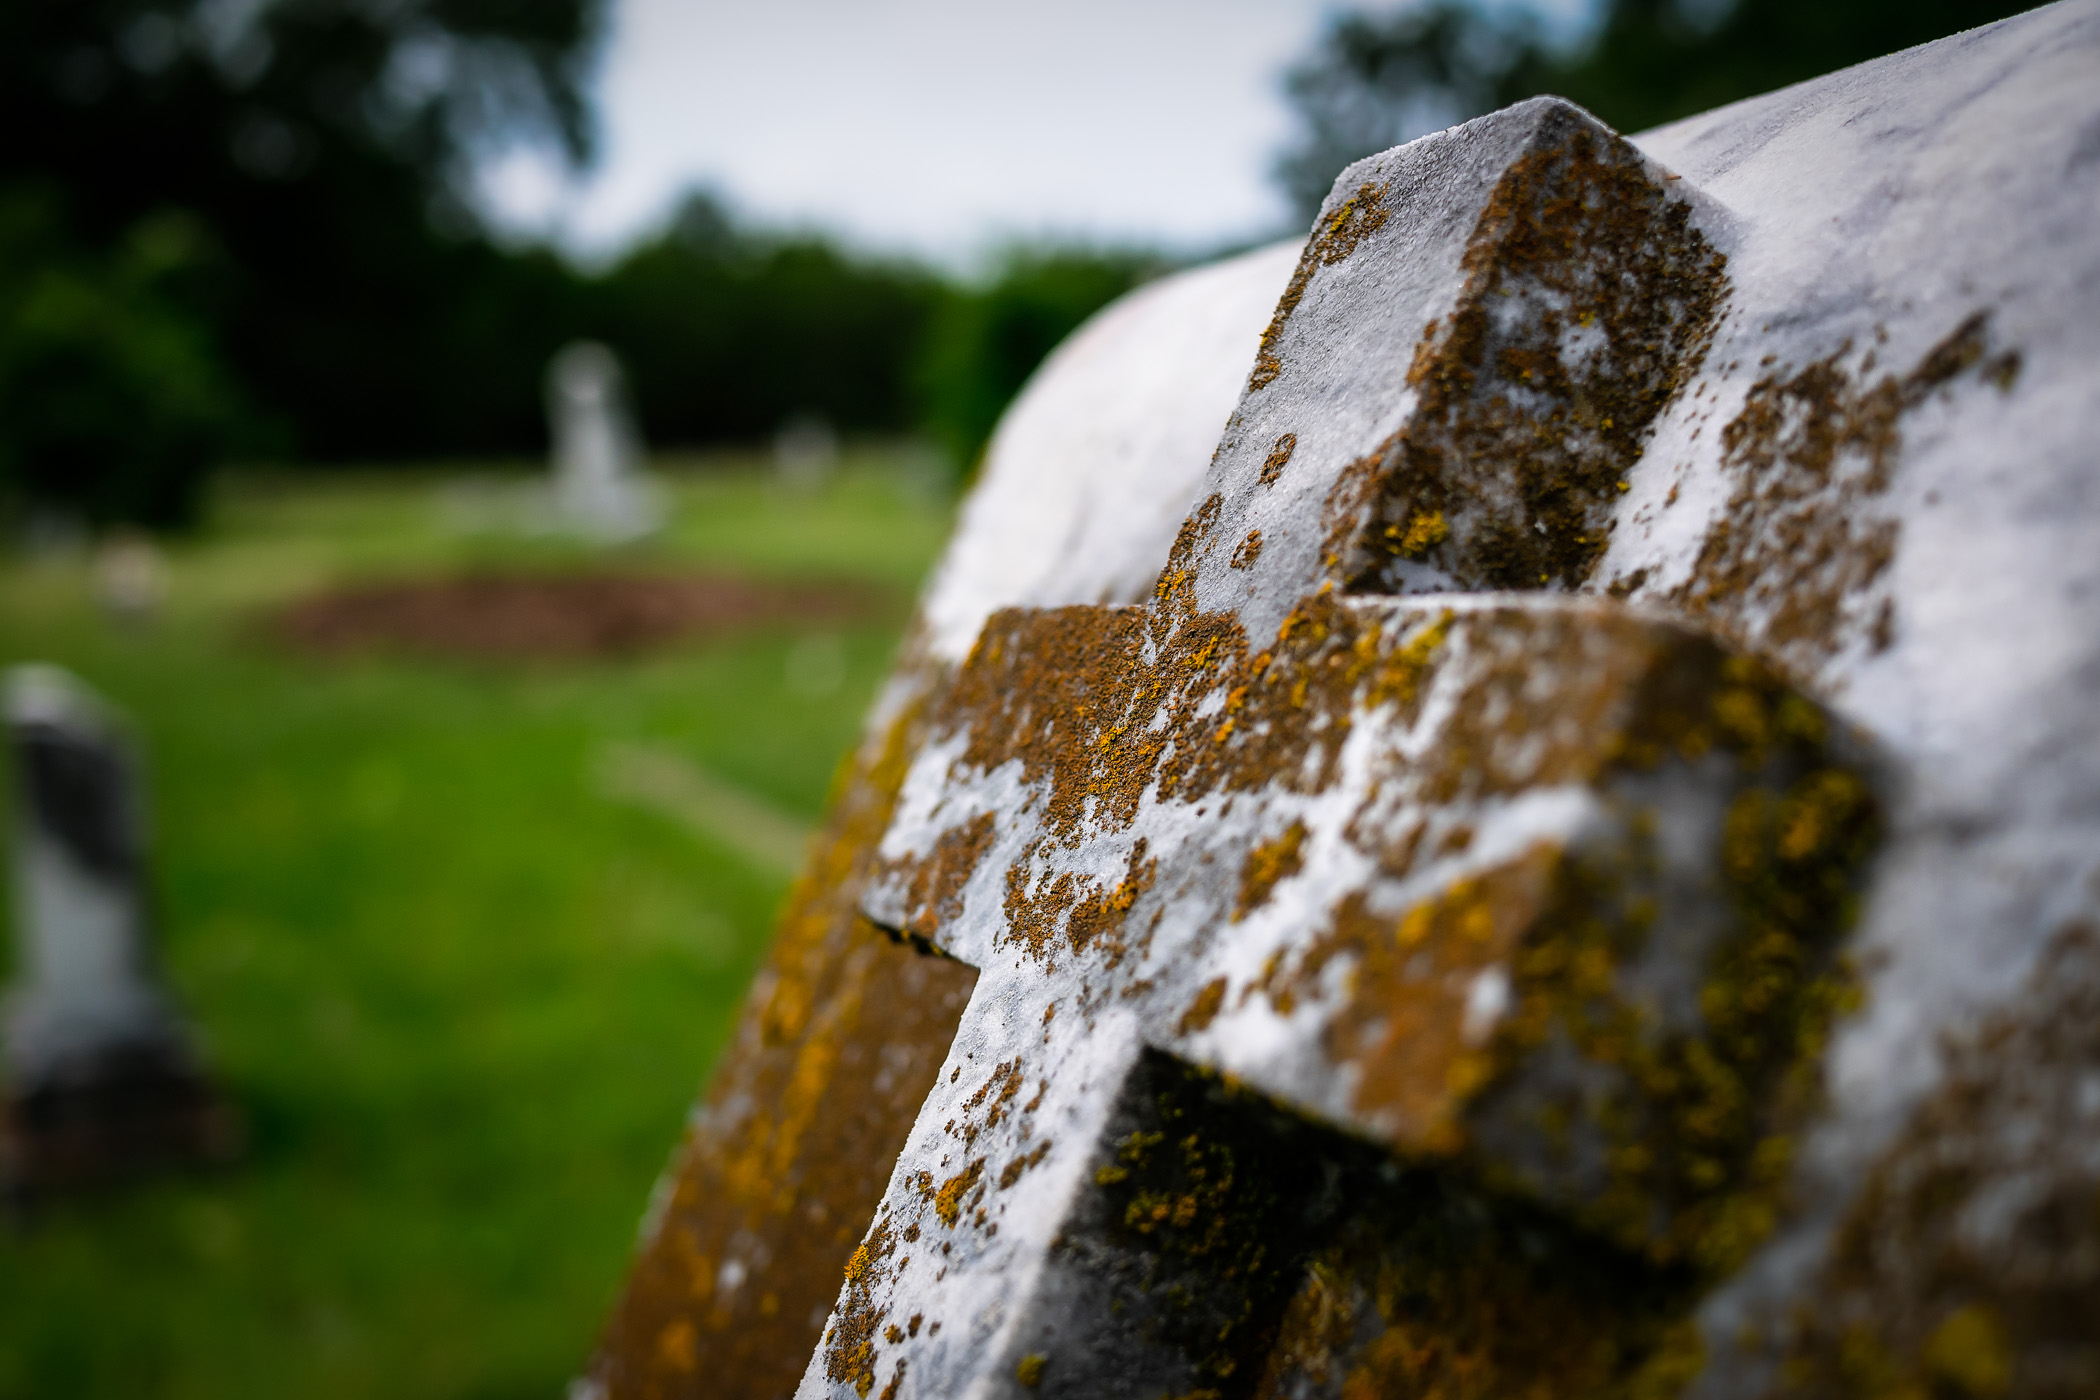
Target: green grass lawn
463,994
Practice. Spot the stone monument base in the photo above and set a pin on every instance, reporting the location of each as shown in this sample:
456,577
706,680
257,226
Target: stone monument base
112,1115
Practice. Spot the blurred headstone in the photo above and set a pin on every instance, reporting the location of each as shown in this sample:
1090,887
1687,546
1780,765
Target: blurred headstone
599,485
806,451
53,534
102,1077
131,577
1574,872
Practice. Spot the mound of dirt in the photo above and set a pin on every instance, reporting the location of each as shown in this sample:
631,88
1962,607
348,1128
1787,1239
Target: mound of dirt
554,615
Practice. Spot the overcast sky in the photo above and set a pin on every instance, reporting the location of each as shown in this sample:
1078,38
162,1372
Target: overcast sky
936,127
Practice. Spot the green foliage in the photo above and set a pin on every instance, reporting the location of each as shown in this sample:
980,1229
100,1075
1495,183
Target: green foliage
463,992
114,402
985,342
1375,80
729,332
320,144
323,146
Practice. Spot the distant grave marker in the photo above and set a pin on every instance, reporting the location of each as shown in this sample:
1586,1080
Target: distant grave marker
101,1075
806,451
1583,876
599,485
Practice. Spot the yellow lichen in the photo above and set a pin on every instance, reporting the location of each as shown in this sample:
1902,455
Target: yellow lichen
947,1202
1968,1351
1427,528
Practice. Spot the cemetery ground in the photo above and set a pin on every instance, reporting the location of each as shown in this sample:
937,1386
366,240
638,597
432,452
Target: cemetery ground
462,933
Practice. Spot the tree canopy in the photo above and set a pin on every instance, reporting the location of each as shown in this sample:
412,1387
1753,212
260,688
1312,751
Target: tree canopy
1378,78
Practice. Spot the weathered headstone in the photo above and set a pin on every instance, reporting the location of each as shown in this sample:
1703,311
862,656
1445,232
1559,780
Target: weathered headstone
599,488
806,451
1581,878
131,577
101,1075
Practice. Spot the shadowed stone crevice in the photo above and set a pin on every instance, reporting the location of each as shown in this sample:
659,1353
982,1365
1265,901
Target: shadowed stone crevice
1225,1246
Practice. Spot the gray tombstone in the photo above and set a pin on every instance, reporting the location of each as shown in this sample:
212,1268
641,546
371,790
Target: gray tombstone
102,1075
806,451
599,488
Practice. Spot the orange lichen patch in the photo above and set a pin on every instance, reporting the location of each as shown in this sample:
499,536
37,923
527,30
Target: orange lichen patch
1099,704
948,1201
1268,865
1336,237
1089,916
995,1096
933,892
840,1041
850,1352
1013,1171
1411,979
1789,564
1947,1279
1248,551
1589,298
1204,1009
1507,734
1279,457
1450,1005
674,1345
1098,918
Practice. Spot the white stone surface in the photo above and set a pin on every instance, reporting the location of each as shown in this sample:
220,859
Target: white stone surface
1896,419
1098,461
1871,213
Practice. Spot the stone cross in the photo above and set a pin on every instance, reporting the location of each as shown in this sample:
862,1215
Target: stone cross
1486,881
1433,943
101,1074
598,483
1282,854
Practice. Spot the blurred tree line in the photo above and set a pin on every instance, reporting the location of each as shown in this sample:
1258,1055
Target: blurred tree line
238,227
1379,78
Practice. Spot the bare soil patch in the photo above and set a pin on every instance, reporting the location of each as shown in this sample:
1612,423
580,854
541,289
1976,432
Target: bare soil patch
520,616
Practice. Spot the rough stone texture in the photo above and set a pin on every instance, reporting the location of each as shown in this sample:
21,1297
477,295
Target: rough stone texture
842,1033
1523,889
102,1078
1683,987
